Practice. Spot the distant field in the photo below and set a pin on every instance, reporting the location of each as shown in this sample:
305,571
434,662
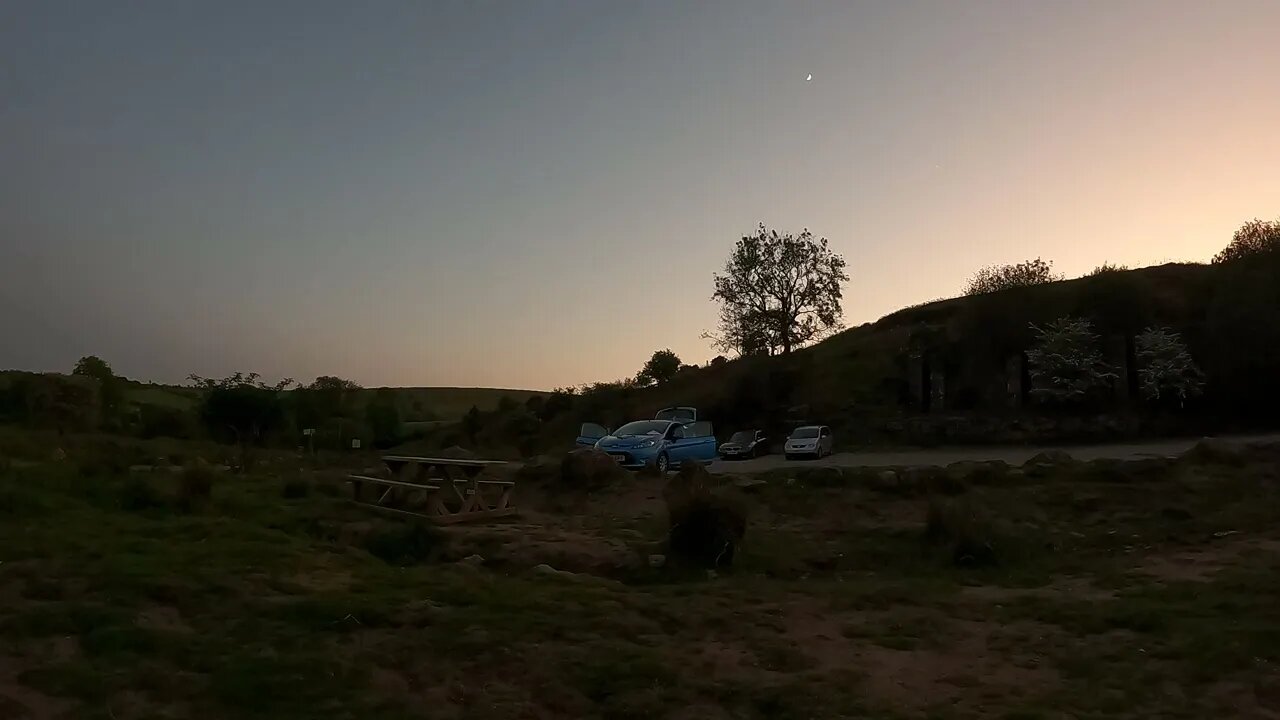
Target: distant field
446,403
419,403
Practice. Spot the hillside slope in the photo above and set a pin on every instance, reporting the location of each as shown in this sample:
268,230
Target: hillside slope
963,357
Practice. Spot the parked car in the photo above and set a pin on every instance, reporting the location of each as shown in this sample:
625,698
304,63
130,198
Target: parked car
809,441
658,443
744,444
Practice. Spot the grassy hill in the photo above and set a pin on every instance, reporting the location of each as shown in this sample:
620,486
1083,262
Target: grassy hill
949,370
418,403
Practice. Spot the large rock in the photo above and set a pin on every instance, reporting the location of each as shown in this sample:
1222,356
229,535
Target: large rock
1213,451
978,472
1047,463
454,452
588,468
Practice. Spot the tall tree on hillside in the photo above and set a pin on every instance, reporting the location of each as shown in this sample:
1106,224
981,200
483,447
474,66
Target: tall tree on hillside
779,292
1253,238
110,390
660,368
94,367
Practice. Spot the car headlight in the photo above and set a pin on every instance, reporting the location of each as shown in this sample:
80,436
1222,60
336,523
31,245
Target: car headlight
648,443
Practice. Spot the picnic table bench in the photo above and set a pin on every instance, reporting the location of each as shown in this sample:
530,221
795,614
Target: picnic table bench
442,490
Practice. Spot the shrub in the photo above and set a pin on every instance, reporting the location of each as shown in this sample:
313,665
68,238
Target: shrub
295,488
1165,367
954,527
1066,365
405,544
704,529
1003,277
1105,268
1255,237
195,486
139,494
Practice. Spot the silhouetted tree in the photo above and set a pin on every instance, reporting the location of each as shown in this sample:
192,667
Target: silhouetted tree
1002,277
660,368
241,408
779,292
94,367
1253,238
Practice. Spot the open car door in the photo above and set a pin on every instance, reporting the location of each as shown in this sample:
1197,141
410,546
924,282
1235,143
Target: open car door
696,441
589,433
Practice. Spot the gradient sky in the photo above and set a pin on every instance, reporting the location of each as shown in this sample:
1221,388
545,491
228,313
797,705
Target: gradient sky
532,194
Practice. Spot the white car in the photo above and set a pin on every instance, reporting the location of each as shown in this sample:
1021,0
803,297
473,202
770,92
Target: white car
809,441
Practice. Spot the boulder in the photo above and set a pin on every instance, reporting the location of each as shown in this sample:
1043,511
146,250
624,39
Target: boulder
978,472
1213,451
454,452
588,468
1047,462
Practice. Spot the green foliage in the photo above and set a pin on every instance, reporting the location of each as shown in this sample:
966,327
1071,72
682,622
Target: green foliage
195,487
94,367
405,543
325,399
65,404
1165,366
1066,364
383,415
660,368
779,292
1256,237
241,408
1003,277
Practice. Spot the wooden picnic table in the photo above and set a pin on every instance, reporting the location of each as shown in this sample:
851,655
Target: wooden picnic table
442,490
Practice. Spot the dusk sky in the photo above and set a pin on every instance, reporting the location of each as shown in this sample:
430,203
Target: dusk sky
533,194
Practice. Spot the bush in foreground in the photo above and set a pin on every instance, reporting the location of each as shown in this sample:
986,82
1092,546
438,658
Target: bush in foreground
955,527
705,529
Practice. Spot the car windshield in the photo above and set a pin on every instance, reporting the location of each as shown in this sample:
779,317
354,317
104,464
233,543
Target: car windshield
806,432
742,437
643,427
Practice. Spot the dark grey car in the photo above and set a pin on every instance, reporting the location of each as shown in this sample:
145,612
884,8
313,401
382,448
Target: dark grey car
744,444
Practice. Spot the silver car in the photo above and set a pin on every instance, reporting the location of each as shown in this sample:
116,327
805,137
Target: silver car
809,441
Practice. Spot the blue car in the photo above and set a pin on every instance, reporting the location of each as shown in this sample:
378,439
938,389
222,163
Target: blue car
659,444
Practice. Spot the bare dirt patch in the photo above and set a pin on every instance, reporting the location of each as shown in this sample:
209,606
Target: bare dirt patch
1201,564
19,702
1067,588
964,673
164,619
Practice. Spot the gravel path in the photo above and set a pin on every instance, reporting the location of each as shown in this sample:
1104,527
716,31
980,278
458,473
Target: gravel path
1014,455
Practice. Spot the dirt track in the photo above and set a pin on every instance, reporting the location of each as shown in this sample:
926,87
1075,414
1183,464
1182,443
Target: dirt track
1014,455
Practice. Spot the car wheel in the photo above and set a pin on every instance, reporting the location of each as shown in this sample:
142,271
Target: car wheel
662,464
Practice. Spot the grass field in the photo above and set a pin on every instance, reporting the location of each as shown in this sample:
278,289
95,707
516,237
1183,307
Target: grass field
1091,593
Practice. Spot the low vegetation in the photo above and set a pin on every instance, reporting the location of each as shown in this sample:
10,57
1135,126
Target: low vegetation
976,591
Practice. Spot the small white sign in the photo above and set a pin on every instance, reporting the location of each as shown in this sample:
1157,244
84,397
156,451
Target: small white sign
308,431
355,444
